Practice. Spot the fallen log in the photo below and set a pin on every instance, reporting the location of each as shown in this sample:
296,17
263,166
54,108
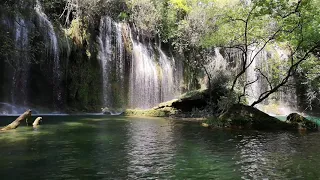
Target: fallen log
18,121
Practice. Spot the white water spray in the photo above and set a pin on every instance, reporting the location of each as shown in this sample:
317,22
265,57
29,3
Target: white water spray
152,79
111,56
144,77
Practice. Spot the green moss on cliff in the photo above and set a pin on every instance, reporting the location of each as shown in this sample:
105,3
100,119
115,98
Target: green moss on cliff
83,82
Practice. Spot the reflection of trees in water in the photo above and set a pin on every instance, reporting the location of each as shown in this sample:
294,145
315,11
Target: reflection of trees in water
203,153
151,148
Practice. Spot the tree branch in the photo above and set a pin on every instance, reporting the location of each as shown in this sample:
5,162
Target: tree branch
290,72
293,12
245,88
269,83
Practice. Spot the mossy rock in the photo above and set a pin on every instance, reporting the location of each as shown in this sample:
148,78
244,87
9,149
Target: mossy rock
187,102
164,112
301,122
251,118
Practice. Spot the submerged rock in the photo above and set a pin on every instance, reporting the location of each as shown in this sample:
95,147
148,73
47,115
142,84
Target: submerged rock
251,118
206,125
111,111
301,122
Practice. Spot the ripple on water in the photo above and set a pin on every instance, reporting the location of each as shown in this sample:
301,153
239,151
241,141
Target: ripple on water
78,148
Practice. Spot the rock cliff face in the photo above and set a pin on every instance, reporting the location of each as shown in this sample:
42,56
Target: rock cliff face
40,65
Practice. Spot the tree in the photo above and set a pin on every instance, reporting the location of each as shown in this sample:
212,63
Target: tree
146,15
250,27
90,9
297,27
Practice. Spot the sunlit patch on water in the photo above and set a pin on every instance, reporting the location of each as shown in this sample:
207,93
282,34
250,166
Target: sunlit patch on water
73,124
23,133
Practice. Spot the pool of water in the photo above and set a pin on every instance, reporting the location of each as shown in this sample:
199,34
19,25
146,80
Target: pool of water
101,147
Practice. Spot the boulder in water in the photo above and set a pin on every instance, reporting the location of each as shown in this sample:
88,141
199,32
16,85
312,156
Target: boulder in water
187,102
37,122
251,118
301,122
111,111
206,125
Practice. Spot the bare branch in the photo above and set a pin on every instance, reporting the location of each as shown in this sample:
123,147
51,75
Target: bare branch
236,19
296,10
262,74
263,46
245,88
290,72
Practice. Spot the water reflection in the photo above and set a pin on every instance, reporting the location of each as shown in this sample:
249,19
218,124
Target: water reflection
120,148
252,157
150,149
261,155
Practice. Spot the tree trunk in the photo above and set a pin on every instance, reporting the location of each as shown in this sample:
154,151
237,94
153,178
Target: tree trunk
18,121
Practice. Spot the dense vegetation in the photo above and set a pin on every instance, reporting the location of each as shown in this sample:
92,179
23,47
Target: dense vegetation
193,28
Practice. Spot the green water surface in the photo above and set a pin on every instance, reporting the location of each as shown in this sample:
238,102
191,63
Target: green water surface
102,147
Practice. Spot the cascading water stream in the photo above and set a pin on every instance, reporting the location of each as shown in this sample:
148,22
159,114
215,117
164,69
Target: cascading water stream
144,78
168,73
120,58
21,64
229,63
253,77
153,77
112,59
151,81
105,56
285,99
54,51
217,63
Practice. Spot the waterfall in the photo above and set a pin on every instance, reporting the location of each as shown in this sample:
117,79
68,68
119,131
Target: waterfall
285,98
53,51
167,80
144,77
105,54
147,78
112,59
258,85
152,79
217,63
21,64
272,62
287,95
171,76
